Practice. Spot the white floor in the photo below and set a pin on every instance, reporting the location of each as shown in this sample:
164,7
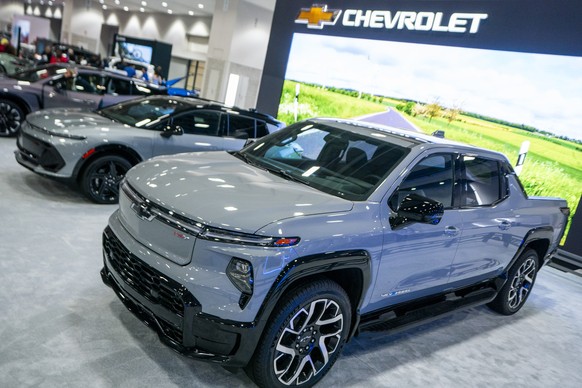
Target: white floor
61,327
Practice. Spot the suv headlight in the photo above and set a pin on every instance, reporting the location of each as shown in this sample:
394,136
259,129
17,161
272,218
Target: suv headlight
240,273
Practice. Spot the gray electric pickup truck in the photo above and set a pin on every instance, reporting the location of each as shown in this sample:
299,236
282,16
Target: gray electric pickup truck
273,257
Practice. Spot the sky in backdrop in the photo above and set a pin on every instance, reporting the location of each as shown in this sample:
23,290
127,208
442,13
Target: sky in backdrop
543,91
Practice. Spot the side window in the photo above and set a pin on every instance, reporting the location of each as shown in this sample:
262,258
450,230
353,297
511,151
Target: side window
118,86
89,83
482,183
198,123
432,177
262,129
241,127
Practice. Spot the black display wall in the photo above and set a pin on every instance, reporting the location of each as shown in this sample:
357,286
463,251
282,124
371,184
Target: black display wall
151,51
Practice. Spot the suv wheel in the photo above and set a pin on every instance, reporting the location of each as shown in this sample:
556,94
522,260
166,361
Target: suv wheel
303,340
101,179
520,281
11,117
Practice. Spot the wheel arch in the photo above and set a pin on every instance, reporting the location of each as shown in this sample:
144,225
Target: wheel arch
105,150
350,269
539,240
22,103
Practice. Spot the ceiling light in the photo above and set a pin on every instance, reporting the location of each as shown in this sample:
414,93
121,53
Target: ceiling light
126,8
141,10
170,11
41,2
200,6
164,4
102,1
144,3
117,2
191,13
104,6
50,3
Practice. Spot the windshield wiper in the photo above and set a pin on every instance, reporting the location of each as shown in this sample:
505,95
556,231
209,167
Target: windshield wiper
285,174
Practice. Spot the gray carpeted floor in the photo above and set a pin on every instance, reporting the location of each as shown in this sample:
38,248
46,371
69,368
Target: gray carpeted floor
61,327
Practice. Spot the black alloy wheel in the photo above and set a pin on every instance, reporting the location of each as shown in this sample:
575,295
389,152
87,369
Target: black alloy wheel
517,288
304,338
102,177
11,117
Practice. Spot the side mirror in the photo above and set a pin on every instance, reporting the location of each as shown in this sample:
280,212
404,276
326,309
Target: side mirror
416,208
170,131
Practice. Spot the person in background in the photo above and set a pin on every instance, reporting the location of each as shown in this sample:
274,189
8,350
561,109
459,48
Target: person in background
130,70
3,45
158,79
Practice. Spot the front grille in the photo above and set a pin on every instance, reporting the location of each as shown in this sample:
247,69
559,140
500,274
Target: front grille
39,152
147,281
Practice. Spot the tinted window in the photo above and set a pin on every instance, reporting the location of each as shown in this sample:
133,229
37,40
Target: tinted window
432,178
119,86
241,127
89,83
198,123
482,181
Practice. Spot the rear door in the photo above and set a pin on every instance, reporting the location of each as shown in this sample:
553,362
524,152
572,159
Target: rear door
490,225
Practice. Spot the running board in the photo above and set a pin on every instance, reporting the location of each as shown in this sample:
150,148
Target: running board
417,312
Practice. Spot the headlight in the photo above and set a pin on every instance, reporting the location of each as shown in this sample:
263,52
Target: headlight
240,273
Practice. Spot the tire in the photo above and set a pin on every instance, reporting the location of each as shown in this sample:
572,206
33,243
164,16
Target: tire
298,347
101,178
11,118
520,281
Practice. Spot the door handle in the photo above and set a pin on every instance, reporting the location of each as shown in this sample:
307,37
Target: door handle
504,225
451,231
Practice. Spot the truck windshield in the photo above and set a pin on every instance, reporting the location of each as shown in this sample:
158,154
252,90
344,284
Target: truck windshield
349,162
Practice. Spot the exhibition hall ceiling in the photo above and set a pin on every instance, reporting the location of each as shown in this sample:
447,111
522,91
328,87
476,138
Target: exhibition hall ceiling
173,7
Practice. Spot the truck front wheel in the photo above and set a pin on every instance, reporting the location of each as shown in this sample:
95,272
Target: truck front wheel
304,338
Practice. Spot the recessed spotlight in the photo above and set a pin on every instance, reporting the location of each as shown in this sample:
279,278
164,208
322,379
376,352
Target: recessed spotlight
104,6
144,3
50,3
164,4
170,11
126,8
41,2
117,2
191,13
200,6
141,9
102,1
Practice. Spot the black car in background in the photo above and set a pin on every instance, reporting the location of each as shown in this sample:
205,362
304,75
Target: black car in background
63,85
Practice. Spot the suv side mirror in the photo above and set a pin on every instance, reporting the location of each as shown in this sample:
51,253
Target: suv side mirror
416,208
170,131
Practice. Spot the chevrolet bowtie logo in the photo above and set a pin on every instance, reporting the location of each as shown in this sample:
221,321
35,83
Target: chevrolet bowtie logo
318,16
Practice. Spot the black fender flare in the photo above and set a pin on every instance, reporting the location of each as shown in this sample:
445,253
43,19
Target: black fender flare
325,264
536,234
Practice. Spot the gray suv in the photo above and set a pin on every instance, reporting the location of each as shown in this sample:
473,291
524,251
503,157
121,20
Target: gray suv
271,258
94,149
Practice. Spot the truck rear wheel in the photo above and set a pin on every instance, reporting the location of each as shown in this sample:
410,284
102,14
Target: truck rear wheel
304,338
520,281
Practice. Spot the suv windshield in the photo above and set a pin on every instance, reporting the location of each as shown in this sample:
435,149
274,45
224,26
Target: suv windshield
348,164
143,113
39,73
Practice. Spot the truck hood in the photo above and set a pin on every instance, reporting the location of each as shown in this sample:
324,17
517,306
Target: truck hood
65,120
220,190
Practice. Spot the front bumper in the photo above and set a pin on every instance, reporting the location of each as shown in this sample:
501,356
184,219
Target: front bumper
172,311
39,156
